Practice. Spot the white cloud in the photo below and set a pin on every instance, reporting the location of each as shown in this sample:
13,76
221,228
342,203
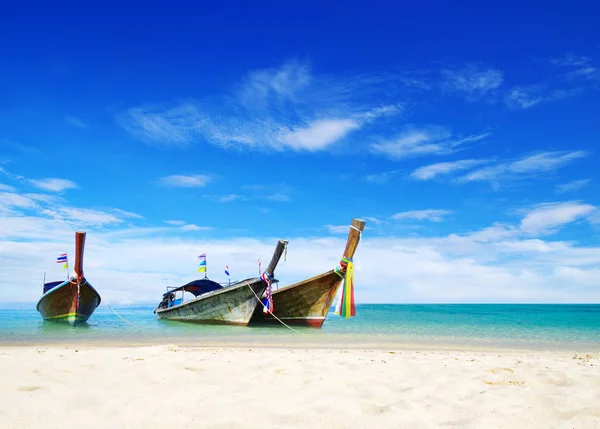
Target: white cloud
48,184
278,193
284,82
175,126
319,134
430,214
530,165
175,222
579,66
525,97
425,141
6,188
546,218
570,60
573,185
128,214
9,200
544,161
430,171
80,216
337,229
182,181
193,227
374,220
500,263
473,82
45,198
286,108
53,185
229,197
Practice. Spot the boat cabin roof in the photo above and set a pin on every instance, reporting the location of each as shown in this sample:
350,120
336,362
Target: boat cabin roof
50,285
198,287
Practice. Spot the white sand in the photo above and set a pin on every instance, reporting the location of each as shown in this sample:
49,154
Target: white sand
174,387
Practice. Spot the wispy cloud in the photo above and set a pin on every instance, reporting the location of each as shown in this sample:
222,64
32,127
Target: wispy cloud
277,193
497,263
88,217
47,184
382,177
547,218
424,141
76,122
229,197
570,60
531,165
281,197
319,134
175,222
10,200
193,227
287,108
128,214
578,67
337,229
7,188
545,161
53,185
525,97
430,171
573,185
285,82
374,220
472,81
182,181
432,215
20,147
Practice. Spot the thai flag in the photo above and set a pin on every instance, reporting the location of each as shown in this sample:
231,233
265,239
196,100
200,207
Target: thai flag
227,269
62,259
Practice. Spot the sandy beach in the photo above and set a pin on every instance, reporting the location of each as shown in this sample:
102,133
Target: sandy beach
185,387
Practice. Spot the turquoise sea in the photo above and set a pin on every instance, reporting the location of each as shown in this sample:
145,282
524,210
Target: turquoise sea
546,327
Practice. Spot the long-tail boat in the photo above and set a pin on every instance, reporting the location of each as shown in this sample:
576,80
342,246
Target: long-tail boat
308,302
217,304
74,300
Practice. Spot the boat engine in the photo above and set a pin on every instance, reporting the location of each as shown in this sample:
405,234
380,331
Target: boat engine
166,299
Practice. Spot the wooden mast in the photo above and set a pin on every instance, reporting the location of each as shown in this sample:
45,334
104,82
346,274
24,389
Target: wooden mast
281,244
358,225
79,248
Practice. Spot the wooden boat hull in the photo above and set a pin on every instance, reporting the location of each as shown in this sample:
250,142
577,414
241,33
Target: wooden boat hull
69,303
305,303
308,302
233,305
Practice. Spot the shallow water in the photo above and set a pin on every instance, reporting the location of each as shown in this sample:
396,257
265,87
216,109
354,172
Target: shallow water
477,325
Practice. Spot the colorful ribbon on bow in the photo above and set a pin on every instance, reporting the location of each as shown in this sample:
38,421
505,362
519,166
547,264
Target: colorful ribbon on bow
346,306
268,299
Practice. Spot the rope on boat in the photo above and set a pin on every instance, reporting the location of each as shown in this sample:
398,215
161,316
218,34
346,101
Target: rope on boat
120,315
270,312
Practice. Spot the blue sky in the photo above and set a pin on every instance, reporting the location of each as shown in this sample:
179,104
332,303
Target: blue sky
466,137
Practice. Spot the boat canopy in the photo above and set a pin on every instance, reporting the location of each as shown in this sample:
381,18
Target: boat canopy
50,285
199,287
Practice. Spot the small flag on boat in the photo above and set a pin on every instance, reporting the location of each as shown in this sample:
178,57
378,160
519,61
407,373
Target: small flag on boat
227,269
62,259
202,267
258,264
